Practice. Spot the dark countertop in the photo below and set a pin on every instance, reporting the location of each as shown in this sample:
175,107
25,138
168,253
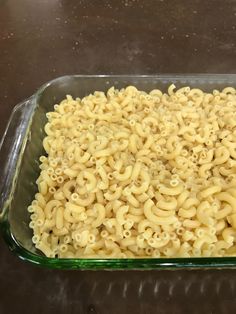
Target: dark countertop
40,40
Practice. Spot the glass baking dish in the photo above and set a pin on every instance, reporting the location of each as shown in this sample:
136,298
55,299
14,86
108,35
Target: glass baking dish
21,147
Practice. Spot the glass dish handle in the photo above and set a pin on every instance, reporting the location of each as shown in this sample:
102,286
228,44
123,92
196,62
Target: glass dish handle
10,148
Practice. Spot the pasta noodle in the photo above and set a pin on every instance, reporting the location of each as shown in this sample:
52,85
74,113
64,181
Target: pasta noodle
134,174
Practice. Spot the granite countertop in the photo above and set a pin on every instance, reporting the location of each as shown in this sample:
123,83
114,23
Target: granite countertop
41,40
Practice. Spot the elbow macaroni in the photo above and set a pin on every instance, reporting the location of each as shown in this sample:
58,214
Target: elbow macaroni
132,174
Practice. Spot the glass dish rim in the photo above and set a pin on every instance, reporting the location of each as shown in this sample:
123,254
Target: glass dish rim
111,263
116,263
213,76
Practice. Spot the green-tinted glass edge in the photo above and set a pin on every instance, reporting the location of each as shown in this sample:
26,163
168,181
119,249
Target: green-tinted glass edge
112,264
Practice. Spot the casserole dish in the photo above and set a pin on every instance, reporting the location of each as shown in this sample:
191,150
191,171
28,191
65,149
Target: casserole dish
21,147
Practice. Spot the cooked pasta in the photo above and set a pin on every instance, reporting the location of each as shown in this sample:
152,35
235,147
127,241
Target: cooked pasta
134,174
